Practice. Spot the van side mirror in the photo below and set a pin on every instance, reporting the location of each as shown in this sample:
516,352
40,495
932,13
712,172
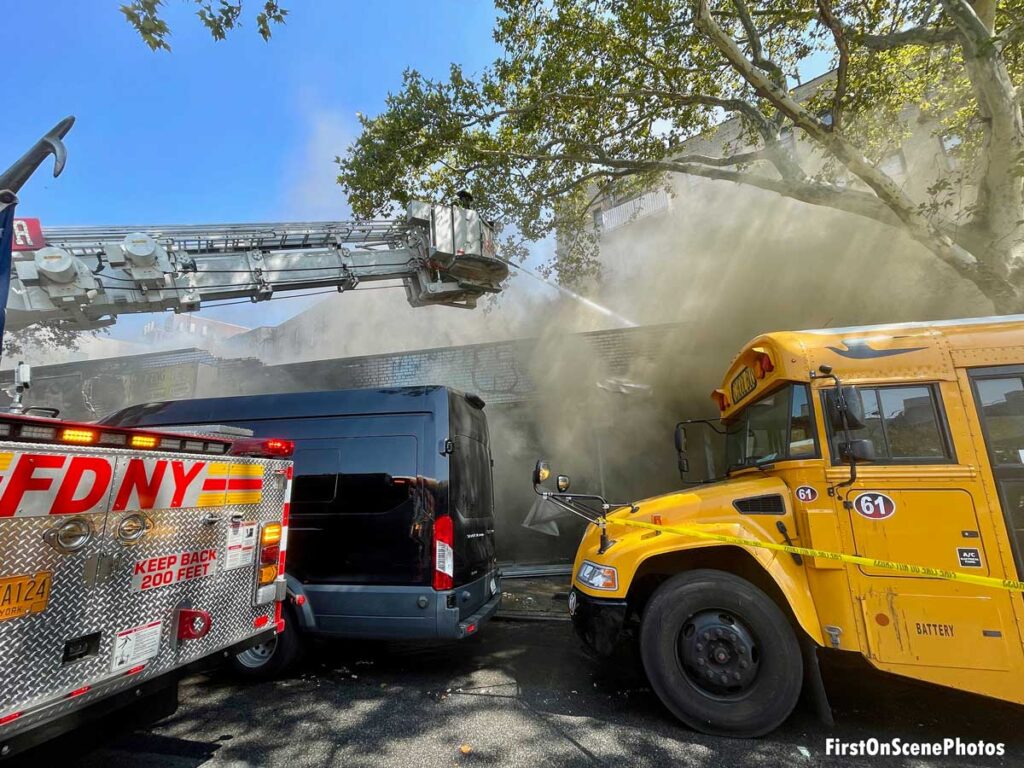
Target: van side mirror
562,483
854,408
857,451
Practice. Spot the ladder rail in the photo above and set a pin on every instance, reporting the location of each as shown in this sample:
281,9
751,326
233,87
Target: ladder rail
228,238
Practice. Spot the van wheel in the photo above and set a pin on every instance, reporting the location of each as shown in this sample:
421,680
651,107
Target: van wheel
273,658
720,654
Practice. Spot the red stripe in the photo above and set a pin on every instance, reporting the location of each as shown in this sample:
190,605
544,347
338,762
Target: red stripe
245,484
215,484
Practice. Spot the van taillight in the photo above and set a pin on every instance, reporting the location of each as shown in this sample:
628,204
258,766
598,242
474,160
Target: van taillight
444,553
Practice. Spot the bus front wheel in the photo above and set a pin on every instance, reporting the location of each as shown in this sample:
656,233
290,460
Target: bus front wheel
720,654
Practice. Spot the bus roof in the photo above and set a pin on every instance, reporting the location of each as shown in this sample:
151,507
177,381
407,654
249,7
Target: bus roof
928,351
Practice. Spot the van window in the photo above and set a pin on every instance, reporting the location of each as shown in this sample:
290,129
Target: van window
316,474
471,493
903,423
376,474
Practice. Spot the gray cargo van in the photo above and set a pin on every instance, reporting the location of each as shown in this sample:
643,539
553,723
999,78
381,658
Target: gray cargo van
391,529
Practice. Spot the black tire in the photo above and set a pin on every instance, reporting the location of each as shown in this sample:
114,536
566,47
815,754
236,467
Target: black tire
720,654
275,658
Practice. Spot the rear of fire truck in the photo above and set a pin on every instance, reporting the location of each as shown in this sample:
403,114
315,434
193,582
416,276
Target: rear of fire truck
126,556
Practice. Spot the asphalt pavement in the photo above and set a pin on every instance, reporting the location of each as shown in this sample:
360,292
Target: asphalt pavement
521,693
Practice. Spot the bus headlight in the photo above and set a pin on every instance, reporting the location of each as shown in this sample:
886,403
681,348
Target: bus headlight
598,576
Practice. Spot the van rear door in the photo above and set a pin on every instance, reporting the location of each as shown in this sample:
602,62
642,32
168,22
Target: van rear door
471,497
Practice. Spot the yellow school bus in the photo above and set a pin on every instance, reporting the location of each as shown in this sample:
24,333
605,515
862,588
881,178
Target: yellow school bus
896,454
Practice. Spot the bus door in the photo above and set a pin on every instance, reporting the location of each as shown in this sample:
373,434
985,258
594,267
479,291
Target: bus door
915,503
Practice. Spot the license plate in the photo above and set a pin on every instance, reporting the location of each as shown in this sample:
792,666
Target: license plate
22,595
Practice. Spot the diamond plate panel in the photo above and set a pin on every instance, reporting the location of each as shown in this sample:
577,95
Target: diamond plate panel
36,680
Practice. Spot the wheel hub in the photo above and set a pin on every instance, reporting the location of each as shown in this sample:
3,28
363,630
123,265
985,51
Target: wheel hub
718,653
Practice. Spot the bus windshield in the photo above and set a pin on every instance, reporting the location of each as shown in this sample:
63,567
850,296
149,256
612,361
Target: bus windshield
779,426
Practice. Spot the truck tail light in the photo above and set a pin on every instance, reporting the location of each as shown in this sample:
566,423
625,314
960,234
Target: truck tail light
444,553
10,718
271,536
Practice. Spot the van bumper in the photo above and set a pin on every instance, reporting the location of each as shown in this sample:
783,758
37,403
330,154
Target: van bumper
381,612
598,621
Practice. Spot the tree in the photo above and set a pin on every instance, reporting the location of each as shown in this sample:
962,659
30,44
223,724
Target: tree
593,98
219,19
50,334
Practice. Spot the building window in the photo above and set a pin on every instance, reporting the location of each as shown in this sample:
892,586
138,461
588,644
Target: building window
894,166
950,143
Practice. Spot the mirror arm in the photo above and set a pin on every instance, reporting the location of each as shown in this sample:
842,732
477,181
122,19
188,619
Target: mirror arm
709,422
841,403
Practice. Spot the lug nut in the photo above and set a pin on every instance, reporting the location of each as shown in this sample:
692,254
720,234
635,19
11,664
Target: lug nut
743,664
700,646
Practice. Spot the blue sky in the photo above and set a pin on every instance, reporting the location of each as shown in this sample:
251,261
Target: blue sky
236,130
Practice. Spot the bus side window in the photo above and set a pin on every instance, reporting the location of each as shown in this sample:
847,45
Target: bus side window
1002,404
903,424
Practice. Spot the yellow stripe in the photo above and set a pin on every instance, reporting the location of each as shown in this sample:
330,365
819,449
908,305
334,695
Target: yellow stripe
914,570
246,470
217,468
213,499
5,461
244,497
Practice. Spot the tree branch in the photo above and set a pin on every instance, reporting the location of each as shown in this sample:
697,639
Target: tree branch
913,36
920,228
1000,189
754,41
827,16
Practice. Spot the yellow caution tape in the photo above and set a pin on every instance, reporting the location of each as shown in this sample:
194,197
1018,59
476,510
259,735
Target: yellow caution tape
914,570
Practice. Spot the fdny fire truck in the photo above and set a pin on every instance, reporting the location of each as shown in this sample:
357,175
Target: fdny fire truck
128,555
125,555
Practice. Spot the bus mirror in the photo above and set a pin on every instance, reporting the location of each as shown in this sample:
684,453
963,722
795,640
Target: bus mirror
857,451
562,483
854,408
541,472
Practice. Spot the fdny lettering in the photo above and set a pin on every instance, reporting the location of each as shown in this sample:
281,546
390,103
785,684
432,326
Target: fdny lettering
171,569
934,630
55,484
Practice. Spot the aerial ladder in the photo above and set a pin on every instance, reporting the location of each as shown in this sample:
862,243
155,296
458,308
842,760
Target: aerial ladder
87,276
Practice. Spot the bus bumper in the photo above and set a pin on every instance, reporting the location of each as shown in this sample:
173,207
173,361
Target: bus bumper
598,621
